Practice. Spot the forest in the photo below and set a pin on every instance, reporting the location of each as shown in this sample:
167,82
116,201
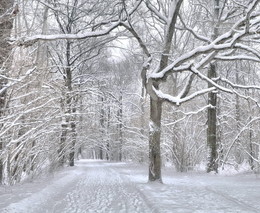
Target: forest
156,82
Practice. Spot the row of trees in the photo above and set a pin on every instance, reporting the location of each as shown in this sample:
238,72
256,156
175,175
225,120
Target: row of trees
151,81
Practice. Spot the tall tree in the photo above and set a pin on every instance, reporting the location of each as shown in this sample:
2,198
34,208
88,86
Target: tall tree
6,24
212,49
212,101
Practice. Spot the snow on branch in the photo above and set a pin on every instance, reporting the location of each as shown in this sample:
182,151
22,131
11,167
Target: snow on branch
237,57
205,78
28,41
15,81
186,114
156,12
247,97
248,49
177,100
238,86
224,42
113,24
201,56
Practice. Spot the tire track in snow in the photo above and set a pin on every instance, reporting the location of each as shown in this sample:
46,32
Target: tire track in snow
241,203
103,189
138,199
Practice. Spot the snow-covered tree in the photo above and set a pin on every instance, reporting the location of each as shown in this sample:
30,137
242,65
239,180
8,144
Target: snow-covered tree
7,13
230,44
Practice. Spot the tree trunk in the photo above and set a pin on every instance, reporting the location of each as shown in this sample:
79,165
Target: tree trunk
251,149
154,140
71,110
212,111
142,106
6,26
212,126
120,125
108,154
100,153
61,150
73,143
156,103
102,127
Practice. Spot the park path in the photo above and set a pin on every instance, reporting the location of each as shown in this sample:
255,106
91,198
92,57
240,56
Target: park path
95,186
110,187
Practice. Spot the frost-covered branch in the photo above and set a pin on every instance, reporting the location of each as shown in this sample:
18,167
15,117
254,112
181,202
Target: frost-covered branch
15,81
237,86
237,57
205,78
177,100
28,41
156,12
194,33
109,25
237,137
224,42
186,114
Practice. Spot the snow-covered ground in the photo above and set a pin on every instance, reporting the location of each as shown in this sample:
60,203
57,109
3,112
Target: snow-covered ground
99,186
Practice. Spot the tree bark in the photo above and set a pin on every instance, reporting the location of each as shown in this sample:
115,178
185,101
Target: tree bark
212,111
212,126
66,123
70,104
73,143
154,140
6,26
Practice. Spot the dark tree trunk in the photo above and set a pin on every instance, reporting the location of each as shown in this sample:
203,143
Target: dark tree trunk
154,140
251,149
100,153
74,139
212,126
70,120
212,100
102,127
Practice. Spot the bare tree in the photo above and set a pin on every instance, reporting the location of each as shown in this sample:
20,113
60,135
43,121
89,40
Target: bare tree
7,12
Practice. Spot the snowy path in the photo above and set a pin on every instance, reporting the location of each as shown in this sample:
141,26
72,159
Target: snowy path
93,187
103,187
